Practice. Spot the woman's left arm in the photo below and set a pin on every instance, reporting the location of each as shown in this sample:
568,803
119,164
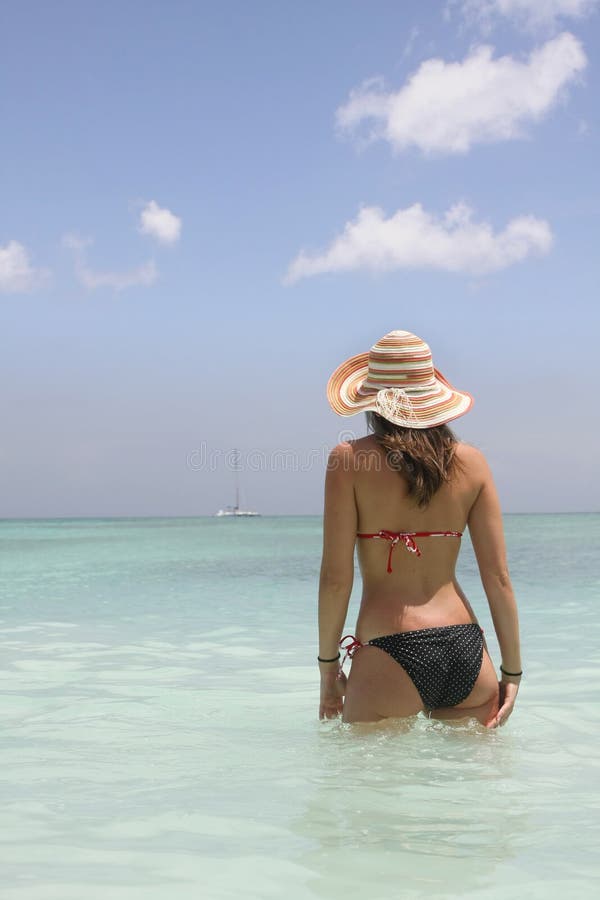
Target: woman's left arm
337,571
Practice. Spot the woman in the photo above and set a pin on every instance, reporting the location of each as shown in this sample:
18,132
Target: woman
407,492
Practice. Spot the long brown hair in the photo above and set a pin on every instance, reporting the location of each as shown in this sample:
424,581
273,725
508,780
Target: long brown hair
426,457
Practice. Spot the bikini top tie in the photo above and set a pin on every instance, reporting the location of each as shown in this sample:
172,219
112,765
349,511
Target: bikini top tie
407,538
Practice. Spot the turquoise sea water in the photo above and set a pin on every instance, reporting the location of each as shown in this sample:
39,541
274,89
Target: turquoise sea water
160,736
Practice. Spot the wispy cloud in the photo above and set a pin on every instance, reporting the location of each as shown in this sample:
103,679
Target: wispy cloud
410,42
17,275
413,238
447,107
160,223
533,15
76,242
143,275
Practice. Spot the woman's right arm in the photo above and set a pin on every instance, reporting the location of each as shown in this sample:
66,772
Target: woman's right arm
487,535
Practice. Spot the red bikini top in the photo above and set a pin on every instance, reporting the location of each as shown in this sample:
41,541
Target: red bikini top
407,538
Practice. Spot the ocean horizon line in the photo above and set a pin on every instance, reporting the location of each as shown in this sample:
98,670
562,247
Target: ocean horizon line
112,518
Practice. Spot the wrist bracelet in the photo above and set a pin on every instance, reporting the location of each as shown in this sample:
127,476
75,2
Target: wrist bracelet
514,674
333,659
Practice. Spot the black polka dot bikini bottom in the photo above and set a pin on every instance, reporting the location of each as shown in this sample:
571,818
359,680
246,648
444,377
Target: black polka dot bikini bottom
442,662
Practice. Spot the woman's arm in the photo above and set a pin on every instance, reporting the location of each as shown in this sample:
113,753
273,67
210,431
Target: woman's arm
339,537
337,573
487,534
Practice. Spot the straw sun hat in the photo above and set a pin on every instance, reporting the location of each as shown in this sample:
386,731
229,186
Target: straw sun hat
397,380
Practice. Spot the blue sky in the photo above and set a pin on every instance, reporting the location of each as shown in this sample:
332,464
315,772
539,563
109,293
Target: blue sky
207,206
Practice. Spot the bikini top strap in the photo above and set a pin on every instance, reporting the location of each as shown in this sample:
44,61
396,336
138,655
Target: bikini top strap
407,538
394,537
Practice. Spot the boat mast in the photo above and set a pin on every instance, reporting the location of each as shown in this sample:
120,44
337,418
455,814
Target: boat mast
236,467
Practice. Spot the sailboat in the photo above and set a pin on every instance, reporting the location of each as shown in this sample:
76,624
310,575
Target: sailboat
235,510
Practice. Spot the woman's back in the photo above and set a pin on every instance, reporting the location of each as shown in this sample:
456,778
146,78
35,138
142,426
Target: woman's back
420,588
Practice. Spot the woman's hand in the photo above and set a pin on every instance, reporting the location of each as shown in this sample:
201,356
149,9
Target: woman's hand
333,688
508,695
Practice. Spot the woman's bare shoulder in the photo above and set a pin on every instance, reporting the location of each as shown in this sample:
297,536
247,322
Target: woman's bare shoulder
363,443
474,464
357,454
472,459
368,455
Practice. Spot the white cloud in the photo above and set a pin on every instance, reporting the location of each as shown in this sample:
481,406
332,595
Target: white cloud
448,107
412,238
17,275
160,223
146,274
531,14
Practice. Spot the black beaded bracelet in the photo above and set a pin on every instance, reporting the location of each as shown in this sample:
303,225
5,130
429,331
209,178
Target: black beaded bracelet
333,659
514,674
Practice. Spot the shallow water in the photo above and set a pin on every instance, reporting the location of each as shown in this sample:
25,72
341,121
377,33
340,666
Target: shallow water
161,738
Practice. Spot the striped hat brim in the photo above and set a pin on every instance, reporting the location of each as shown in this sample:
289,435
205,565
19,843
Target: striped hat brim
414,408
